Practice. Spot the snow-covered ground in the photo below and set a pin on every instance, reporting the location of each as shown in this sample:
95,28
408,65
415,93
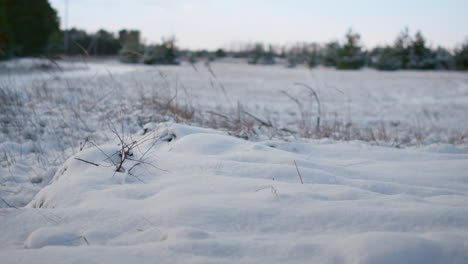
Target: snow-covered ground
207,197
399,195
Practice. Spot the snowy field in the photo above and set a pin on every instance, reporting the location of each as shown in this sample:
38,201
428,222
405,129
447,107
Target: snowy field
383,178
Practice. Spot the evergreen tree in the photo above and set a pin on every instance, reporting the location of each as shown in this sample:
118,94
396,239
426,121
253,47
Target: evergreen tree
350,55
26,27
420,57
443,59
385,58
220,53
461,57
402,47
256,53
269,56
331,54
312,56
410,53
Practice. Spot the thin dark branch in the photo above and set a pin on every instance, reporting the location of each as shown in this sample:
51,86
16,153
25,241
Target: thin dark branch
299,104
218,114
147,163
89,162
85,240
131,168
267,124
105,154
8,204
298,172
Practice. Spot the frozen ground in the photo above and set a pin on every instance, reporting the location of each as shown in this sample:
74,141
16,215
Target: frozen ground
385,176
214,198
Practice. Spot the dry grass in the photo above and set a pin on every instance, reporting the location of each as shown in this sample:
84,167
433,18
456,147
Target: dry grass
53,118
70,111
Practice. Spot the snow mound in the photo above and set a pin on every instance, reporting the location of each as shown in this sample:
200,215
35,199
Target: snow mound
50,236
202,196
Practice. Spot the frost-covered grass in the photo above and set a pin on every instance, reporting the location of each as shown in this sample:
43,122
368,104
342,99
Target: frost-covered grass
210,196
49,113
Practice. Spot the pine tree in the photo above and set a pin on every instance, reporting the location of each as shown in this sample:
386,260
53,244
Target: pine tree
420,57
402,47
385,58
350,55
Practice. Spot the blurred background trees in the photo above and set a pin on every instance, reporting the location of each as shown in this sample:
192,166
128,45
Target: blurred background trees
27,28
31,28
260,55
102,43
411,53
330,58
461,57
163,53
132,49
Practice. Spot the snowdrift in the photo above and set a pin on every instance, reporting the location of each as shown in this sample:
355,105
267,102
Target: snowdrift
202,196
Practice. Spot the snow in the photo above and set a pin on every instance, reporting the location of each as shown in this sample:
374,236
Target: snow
212,198
36,65
190,194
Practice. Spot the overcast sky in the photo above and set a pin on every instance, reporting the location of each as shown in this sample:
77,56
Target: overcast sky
212,24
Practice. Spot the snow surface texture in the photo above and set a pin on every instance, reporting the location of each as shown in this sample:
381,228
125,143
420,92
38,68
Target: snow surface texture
206,197
48,110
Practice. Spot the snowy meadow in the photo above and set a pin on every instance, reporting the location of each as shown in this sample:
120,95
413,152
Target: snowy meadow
225,162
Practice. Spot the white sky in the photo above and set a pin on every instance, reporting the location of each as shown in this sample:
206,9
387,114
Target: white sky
211,24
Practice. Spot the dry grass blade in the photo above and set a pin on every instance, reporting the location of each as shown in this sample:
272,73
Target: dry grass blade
89,162
315,95
272,189
85,240
264,123
298,172
133,52
82,48
8,204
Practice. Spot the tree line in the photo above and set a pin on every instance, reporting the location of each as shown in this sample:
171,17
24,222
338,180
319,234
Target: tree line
31,28
406,52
